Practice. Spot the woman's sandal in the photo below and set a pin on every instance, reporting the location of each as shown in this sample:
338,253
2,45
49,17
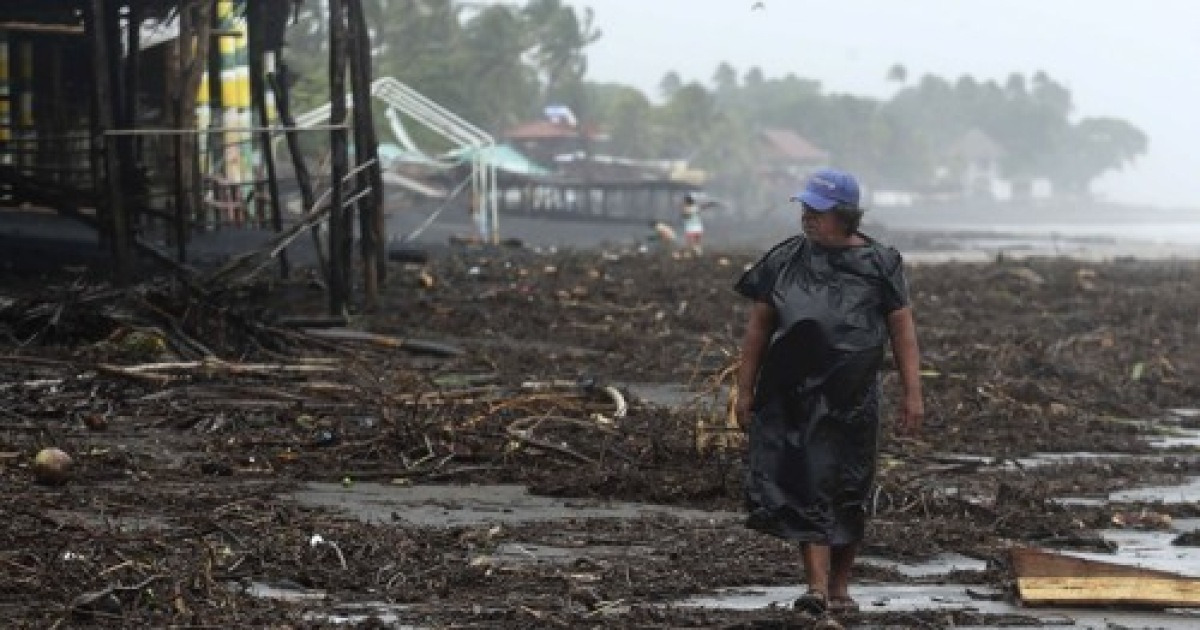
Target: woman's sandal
842,604
828,623
812,602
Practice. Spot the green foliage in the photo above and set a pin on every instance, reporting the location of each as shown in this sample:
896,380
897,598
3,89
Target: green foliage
499,64
628,116
494,65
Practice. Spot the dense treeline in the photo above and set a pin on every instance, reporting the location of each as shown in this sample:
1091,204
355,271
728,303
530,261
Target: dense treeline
499,64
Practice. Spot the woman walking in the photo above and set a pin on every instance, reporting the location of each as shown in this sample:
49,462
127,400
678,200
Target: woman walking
826,303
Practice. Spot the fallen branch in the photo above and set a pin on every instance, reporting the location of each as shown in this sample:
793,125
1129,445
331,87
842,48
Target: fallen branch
521,436
95,601
126,373
276,245
386,341
219,365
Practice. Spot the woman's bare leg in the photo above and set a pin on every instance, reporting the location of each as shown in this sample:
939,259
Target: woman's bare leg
841,561
816,559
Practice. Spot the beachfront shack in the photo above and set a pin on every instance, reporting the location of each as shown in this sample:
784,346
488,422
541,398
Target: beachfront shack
573,177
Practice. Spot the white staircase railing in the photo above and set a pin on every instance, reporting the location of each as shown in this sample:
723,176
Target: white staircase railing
454,128
402,99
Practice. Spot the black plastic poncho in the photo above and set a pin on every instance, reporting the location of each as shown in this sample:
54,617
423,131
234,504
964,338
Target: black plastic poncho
815,429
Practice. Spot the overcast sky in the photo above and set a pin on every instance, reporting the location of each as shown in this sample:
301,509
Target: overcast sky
1136,60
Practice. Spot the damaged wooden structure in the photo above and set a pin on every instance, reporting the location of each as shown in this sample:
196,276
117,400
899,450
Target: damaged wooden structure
151,120
1047,578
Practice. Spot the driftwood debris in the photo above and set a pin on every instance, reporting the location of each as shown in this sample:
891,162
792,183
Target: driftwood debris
257,260
385,341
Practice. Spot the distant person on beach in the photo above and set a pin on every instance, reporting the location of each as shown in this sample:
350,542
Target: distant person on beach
693,225
662,236
826,303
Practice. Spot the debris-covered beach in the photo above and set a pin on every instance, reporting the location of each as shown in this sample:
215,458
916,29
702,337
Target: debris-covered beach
520,438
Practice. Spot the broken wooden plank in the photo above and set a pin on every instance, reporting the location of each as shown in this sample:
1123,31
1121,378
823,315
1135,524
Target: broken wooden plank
1045,577
418,346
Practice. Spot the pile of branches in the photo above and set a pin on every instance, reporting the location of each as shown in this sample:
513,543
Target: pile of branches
188,323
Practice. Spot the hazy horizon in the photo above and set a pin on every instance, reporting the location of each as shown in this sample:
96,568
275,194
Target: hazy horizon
1118,59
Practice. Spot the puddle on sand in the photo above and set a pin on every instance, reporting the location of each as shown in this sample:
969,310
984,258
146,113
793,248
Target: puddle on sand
1176,438
523,554
1151,549
661,394
1174,431
388,615
448,506
292,593
1184,493
1185,525
871,597
941,564
894,598
1045,459
1164,433
1148,550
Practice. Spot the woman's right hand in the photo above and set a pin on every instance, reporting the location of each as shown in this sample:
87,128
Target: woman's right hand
754,343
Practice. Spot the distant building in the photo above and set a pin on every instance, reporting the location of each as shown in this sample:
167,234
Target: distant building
971,170
972,167
545,140
786,159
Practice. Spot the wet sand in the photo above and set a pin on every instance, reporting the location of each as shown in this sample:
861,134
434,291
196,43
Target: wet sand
1057,389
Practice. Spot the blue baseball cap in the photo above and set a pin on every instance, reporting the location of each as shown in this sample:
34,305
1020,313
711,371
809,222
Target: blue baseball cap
827,188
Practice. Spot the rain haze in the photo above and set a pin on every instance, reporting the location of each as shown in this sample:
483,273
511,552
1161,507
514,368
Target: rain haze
1130,60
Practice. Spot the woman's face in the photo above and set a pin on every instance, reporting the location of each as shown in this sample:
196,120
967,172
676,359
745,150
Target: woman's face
821,227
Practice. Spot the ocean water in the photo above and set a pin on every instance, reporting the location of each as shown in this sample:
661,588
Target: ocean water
1119,223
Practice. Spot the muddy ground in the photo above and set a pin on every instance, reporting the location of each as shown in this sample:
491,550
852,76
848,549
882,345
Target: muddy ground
510,366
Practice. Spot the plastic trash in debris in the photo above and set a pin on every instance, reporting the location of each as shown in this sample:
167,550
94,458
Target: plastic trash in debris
325,438
317,540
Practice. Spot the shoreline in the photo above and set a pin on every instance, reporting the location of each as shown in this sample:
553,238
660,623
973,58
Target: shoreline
31,240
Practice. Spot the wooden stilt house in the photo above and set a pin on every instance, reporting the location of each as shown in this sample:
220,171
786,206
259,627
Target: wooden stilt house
153,119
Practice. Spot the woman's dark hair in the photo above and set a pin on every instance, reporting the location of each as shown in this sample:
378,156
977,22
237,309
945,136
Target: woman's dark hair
849,216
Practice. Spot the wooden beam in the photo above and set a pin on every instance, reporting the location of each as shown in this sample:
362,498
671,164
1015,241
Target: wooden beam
116,221
283,100
1045,578
57,29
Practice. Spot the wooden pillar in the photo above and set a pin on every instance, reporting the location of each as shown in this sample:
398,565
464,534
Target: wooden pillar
339,239
116,221
257,52
283,99
59,157
134,184
371,216
194,44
